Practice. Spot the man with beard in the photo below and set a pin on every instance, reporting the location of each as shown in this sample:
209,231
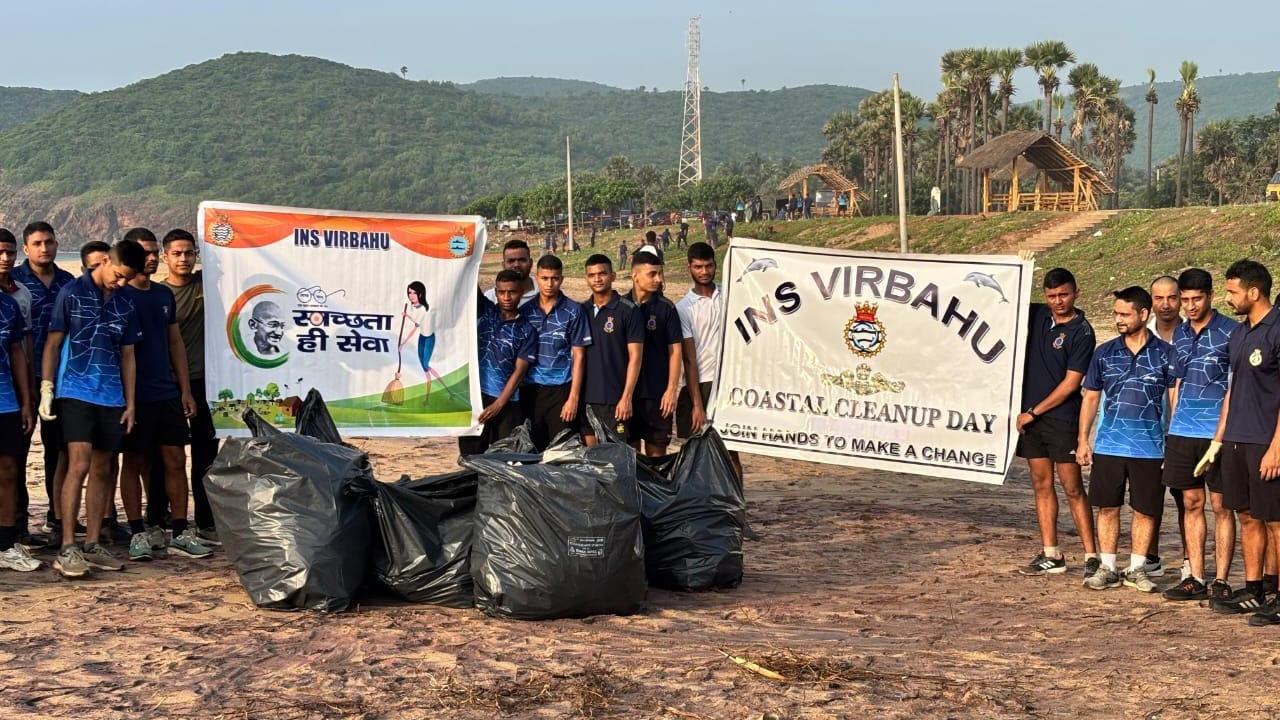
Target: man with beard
1201,365
1134,371
1248,435
1166,316
517,258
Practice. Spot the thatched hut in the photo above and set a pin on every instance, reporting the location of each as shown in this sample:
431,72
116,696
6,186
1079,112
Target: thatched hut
799,181
1062,180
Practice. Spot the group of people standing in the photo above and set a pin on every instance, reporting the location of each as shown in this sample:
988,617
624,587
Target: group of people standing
116,361
1183,399
642,364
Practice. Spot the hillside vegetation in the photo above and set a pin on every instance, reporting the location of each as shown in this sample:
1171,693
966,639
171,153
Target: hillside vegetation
23,104
303,131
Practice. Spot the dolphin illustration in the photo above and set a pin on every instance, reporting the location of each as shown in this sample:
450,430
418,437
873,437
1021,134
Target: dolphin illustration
985,280
758,265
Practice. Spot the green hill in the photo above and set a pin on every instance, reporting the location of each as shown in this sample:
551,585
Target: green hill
537,87
1221,97
21,104
305,131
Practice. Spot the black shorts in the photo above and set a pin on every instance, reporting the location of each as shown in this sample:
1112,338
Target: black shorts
51,435
684,409
158,423
647,423
85,422
13,441
1181,455
1048,437
1242,485
1112,473
607,414
542,405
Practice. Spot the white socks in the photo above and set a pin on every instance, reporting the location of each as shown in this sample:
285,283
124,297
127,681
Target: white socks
1136,561
1108,561
1052,552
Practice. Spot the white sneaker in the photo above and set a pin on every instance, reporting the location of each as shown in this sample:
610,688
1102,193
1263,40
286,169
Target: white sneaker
1153,568
17,558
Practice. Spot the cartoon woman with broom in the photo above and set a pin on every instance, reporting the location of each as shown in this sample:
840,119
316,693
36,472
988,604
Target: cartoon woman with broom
418,312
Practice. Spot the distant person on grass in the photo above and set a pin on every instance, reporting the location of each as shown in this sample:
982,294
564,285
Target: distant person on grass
658,388
508,347
553,388
1059,348
614,356
622,254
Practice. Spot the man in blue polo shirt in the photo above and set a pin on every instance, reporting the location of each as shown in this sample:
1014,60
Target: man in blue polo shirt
96,372
42,277
1248,435
658,390
15,423
1135,373
164,403
508,348
1059,348
615,353
553,390
1201,366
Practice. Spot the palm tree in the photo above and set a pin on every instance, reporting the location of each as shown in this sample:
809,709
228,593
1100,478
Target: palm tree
1085,80
1187,103
1152,100
983,69
1059,105
1005,63
1278,115
1047,58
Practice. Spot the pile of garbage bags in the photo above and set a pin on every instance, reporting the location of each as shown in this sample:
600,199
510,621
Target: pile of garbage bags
571,532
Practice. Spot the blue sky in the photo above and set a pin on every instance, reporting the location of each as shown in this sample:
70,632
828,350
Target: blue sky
100,45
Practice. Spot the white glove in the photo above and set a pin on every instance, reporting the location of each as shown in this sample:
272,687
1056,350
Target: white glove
46,401
1210,455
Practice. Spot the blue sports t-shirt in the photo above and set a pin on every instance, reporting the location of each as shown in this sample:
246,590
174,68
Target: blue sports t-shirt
1134,388
559,331
96,329
157,311
501,343
42,298
1203,363
12,330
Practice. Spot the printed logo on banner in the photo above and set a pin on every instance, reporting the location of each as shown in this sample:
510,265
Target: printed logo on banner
222,232
864,334
458,245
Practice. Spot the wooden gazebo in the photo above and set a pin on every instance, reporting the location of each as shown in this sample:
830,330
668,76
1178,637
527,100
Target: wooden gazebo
831,178
1062,180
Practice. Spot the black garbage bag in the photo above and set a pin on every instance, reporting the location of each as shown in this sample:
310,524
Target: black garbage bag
425,527
295,537
313,419
694,516
259,427
558,535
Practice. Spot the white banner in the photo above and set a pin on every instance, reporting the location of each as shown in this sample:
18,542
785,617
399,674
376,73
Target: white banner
906,363
376,311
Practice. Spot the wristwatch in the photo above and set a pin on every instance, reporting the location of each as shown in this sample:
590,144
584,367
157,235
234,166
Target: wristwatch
1032,412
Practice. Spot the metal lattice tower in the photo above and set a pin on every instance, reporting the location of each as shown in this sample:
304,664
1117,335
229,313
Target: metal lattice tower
691,135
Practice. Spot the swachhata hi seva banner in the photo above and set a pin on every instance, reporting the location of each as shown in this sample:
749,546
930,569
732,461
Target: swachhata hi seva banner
376,311
906,363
